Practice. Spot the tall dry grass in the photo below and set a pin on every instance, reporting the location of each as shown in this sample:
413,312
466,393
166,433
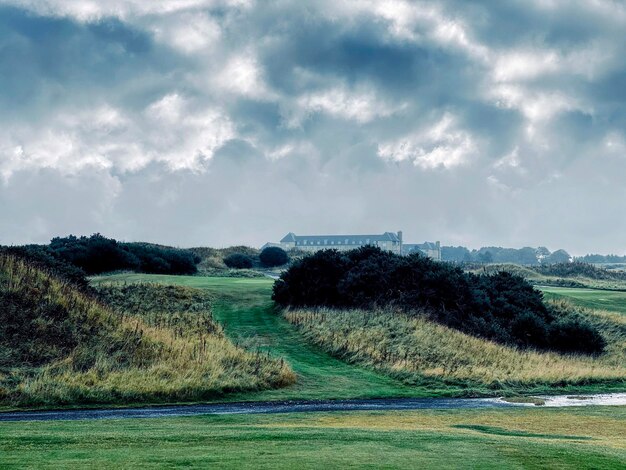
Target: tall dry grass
120,357
415,347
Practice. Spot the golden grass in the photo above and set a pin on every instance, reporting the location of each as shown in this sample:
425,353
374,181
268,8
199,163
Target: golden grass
402,345
126,359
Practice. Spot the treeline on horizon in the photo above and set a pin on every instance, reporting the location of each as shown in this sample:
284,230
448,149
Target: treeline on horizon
72,258
525,256
501,307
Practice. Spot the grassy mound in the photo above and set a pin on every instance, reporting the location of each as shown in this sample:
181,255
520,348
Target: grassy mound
416,350
59,346
574,274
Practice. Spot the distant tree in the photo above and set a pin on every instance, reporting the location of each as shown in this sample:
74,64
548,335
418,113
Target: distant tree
486,257
559,256
592,258
527,255
595,258
542,252
238,261
273,256
457,254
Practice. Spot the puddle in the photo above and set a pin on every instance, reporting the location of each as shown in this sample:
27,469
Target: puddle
554,401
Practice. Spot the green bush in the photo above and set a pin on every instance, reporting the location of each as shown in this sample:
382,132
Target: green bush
238,261
273,256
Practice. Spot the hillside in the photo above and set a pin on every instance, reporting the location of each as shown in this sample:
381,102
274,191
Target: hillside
416,351
59,346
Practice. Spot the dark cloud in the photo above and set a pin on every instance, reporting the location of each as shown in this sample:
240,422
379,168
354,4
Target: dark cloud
47,63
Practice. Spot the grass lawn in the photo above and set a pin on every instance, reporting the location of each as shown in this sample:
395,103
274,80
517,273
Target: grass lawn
579,438
245,310
614,301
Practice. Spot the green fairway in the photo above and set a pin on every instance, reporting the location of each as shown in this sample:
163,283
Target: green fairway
244,307
511,438
614,301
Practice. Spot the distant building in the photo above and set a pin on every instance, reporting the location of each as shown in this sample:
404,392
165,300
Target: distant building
388,241
430,249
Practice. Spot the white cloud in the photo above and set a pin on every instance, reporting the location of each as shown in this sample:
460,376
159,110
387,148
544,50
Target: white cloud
524,63
242,75
181,135
188,32
443,144
536,106
169,130
520,65
361,105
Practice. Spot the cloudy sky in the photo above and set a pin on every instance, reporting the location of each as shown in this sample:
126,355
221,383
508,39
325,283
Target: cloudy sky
217,122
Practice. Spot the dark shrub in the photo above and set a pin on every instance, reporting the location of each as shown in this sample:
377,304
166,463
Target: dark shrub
574,335
312,281
97,254
502,307
273,256
367,281
163,260
529,329
238,261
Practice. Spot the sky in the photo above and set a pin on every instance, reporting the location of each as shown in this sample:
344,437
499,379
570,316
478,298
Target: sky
223,122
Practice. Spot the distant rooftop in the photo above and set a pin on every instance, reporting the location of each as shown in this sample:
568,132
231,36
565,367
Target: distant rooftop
341,239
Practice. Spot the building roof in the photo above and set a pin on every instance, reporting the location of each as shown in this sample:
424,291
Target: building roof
339,239
290,237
